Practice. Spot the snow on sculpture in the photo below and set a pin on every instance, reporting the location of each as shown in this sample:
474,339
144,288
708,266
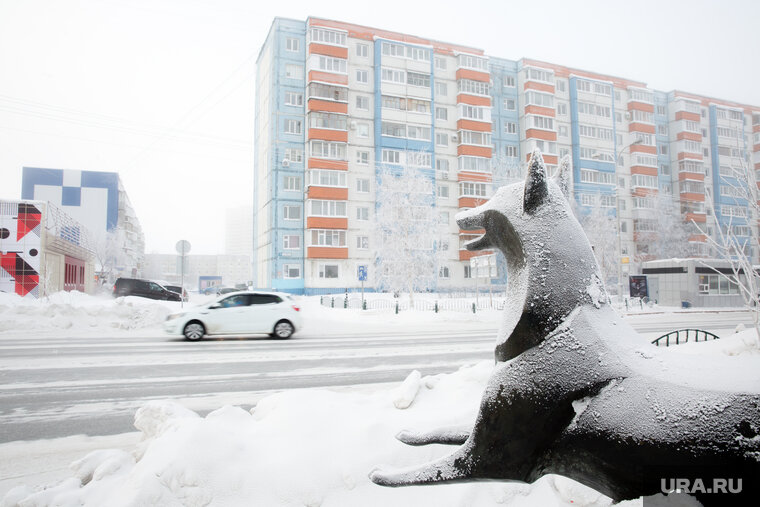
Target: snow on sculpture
576,391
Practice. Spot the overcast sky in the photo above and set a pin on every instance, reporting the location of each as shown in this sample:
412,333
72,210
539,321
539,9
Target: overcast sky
162,91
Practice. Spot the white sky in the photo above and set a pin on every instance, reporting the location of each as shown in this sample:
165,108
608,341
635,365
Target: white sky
162,91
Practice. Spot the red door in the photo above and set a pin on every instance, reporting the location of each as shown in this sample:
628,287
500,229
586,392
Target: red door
74,274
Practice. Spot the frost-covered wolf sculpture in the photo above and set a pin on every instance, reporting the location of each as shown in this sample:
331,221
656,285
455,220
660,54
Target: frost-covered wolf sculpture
576,391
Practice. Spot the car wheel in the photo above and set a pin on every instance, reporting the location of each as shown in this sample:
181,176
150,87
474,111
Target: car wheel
283,330
194,331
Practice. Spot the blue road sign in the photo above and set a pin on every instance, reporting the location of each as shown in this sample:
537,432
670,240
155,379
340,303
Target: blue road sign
362,273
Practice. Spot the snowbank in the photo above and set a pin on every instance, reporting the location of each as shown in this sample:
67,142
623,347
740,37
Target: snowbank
77,313
296,448
741,343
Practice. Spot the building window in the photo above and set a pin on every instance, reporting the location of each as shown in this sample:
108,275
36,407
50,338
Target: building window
362,76
509,81
293,99
327,149
362,242
441,89
362,50
362,185
292,212
329,271
330,64
440,63
292,44
362,102
509,104
562,109
443,191
510,151
391,156
330,208
417,79
291,242
362,130
292,126
717,284
294,71
510,128
327,178
467,271
562,130
441,113
292,183
662,130
561,85
294,154
328,237
362,213
472,189
291,271
443,218
663,149
362,157
441,139
443,272
661,110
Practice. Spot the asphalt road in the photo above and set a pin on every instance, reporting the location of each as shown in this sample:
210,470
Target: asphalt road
55,387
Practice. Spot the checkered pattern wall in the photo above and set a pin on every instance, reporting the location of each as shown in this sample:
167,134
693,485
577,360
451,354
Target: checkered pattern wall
20,244
90,197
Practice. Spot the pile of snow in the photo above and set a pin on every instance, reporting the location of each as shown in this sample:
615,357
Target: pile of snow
742,343
296,448
76,313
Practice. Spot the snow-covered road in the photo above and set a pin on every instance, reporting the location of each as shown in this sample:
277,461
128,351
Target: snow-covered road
61,386
54,387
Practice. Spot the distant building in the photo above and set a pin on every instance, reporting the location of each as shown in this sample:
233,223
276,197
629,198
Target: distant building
696,282
99,202
234,269
336,102
43,250
238,231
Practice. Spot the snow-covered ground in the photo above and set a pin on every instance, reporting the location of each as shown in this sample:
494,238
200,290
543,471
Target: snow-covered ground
310,447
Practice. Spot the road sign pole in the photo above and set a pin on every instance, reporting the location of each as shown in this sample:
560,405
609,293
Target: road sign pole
182,247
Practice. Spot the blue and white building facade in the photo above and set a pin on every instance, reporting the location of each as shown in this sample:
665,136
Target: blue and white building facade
336,102
98,201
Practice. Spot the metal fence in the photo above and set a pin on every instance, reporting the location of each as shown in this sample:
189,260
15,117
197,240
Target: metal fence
424,304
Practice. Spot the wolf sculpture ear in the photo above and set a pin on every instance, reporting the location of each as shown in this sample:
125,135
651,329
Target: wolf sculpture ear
562,178
536,189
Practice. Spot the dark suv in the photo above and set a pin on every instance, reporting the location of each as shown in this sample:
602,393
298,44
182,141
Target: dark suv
178,290
142,288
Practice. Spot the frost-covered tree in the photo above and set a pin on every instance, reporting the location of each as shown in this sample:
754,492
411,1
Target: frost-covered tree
109,253
406,230
600,226
730,245
671,234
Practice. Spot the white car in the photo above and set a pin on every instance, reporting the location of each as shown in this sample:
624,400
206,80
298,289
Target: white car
239,313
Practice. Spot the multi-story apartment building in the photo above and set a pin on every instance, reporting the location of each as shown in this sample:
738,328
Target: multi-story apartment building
337,102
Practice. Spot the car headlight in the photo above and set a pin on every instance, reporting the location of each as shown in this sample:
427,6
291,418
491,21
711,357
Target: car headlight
173,316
